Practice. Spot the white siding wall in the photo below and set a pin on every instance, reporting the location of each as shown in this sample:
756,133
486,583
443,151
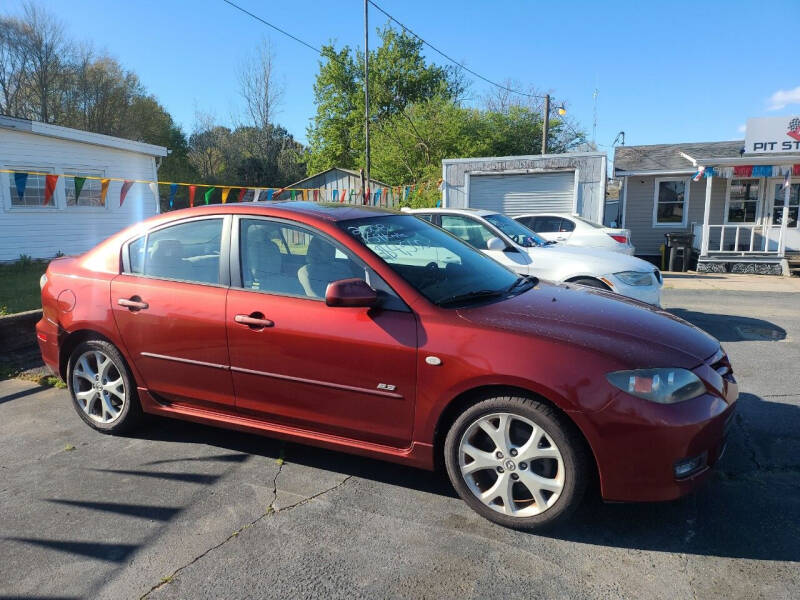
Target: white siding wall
590,169
41,232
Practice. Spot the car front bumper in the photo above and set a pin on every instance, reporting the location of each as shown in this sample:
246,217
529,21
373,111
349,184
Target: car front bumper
649,294
47,334
639,444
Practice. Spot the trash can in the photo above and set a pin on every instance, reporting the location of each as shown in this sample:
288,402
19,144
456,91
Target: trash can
679,241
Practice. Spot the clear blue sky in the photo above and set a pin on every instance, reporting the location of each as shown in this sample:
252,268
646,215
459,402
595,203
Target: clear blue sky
666,71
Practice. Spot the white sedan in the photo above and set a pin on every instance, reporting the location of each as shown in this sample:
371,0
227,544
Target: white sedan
569,230
522,250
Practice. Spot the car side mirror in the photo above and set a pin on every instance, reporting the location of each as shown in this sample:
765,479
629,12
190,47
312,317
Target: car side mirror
495,243
350,292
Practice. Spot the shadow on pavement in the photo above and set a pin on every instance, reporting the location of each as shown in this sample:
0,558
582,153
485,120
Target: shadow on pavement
732,328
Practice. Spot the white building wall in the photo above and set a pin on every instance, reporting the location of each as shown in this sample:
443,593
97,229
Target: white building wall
41,232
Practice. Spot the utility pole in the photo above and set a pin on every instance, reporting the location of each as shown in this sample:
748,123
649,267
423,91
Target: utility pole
366,98
546,123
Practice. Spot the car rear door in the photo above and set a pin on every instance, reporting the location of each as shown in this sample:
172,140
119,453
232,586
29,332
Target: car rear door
349,372
169,308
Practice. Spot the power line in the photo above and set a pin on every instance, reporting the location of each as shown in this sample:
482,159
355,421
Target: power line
275,27
452,60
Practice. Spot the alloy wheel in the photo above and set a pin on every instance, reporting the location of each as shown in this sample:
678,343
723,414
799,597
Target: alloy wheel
511,464
98,386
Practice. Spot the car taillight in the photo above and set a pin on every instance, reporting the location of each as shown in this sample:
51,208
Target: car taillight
619,238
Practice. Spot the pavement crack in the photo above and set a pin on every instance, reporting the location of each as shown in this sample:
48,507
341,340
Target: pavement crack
270,511
748,441
280,460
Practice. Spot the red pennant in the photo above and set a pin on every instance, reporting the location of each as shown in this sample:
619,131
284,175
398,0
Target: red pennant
49,187
242,192
316,194
192,190
126,185
343,196
796,170
743,170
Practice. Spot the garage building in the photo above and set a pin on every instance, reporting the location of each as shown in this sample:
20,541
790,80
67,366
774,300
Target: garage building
514,185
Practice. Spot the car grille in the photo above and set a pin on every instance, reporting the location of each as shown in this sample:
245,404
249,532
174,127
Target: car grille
720,363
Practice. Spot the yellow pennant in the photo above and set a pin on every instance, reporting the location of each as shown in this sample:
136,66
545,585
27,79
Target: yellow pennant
225,192
103,191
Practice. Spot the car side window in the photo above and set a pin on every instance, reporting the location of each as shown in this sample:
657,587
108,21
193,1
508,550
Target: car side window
186,252
474,233
286,260
547,224
529,222
425,217
567,226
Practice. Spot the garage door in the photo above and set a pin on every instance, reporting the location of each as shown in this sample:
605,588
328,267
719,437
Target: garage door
523,193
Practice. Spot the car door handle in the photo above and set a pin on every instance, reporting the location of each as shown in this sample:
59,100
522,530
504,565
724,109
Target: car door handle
133,303
254,320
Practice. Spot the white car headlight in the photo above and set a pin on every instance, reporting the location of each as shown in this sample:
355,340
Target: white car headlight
635,277
42,281
663,386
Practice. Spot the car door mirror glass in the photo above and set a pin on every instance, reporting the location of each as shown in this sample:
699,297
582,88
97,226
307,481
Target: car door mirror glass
495,243
350,292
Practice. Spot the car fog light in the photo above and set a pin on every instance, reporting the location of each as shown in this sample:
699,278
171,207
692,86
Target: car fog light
687,466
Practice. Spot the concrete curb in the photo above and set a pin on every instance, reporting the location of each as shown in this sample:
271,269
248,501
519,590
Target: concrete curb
18,331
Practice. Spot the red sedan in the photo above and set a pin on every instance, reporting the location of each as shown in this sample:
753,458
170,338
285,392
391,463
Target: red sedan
377,333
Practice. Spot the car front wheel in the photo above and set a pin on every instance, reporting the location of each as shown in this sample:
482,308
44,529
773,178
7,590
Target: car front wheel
517,462
102,388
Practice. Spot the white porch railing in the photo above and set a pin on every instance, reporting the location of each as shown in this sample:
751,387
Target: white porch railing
738,239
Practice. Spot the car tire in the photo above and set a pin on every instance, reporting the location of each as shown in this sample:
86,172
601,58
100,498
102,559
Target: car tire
589,282
543,450
102,388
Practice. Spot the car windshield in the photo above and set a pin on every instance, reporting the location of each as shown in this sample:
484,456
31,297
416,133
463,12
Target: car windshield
523,236
445,270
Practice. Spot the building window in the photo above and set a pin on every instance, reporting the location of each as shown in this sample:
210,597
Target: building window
794,204
34,191
671,203
89,192
743,200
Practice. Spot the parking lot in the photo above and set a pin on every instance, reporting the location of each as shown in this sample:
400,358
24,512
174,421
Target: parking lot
187,511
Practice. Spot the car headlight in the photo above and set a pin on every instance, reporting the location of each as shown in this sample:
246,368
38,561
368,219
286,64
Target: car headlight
664,386
42,281
635,277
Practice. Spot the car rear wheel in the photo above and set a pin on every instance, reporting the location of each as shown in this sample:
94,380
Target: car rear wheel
102,388
517,462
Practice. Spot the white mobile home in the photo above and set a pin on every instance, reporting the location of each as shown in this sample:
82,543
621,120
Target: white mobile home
36,225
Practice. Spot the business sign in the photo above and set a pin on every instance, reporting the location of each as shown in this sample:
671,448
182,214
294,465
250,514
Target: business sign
774,134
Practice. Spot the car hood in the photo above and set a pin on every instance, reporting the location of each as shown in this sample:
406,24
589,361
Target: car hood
597,261
636,334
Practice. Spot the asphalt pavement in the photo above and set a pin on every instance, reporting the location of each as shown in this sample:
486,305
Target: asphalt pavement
186,511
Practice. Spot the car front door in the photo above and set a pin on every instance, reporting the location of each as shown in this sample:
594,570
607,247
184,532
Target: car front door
478,234
349,372
169,308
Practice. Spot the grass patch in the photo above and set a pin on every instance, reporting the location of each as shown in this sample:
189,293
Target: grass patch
19,285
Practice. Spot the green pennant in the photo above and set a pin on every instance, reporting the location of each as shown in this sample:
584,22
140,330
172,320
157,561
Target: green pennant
208,194
79,181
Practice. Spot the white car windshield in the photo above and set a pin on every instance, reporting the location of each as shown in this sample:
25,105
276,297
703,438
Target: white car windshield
441,267
523,236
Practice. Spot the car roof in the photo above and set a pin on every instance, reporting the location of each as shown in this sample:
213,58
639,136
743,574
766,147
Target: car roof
319,210
480,212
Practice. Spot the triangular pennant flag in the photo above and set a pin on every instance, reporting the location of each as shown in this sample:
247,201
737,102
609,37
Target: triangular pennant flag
21,180
50,182
225,192
242,192
192,190
78,181
292,195
103,190
335,195
305,195
173,189
154,189
208,194
126,185
316,195
270,193
256,194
